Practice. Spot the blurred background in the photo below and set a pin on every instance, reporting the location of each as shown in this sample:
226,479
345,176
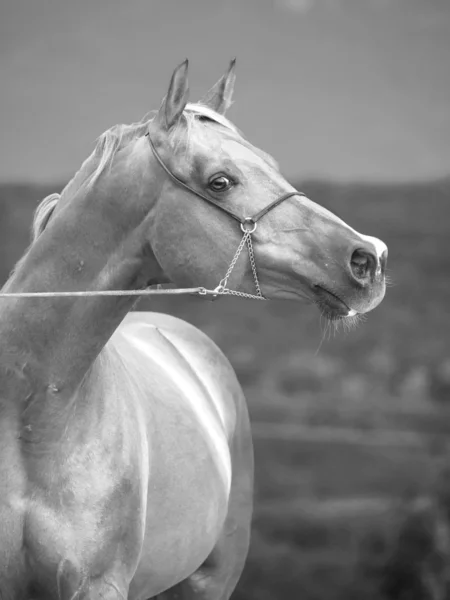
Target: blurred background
353,98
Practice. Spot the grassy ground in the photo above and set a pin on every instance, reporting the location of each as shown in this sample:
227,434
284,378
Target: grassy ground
327,509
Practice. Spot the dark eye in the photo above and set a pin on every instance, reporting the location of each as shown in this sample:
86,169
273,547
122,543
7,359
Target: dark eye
220,184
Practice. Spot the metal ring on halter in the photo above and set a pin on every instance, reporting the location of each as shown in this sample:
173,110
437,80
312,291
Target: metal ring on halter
248,221
221,287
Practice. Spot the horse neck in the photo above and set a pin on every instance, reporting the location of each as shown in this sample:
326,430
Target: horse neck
95,241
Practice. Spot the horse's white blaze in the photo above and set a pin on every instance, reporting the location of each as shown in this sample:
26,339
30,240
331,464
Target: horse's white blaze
380,246
377,244
212,426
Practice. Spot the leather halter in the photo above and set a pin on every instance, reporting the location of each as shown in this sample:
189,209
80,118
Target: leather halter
248,226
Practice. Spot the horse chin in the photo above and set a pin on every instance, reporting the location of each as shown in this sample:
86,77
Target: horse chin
330,305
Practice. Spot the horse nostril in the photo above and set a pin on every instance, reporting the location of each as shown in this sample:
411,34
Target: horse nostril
363,265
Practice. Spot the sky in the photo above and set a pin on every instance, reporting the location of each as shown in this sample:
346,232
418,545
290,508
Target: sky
338,89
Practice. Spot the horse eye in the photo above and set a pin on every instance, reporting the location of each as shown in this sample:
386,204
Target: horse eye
220,184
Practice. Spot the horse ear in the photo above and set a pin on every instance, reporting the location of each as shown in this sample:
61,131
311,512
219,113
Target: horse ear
176,99
219,97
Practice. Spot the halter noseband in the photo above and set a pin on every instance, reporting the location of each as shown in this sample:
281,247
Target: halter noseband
248,227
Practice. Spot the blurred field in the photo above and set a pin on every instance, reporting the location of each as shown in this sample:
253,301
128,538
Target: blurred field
344,433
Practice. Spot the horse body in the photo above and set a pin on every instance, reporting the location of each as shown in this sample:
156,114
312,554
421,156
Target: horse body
174,400
126,462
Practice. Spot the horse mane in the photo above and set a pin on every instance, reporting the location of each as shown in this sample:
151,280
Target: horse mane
116,138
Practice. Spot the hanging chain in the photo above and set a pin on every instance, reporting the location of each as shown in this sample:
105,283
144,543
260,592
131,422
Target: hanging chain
222,289
251,256
223,282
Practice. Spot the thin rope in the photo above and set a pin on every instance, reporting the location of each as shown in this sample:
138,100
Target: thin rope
200,291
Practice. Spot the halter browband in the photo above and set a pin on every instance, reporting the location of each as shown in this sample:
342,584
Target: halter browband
248,226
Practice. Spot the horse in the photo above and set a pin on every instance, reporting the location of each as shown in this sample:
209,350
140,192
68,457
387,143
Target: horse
126,461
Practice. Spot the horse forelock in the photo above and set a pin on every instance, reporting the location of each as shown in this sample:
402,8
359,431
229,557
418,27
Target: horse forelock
200,110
